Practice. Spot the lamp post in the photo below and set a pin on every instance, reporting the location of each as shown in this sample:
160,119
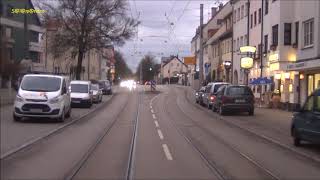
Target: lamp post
227,67
246,62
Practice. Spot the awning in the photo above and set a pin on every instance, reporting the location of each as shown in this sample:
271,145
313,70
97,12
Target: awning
261,81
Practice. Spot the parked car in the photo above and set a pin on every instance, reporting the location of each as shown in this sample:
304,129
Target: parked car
234,98
41,95
306,122
81,93
106,87
96,93
209,95
199,95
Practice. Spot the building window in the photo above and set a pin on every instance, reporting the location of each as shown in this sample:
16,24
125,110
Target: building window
308,32
259,19
242,11
297,33
234,45
246,9
265,43
238,17
266,7
234,16
35,56
241,41
9,9
275,35
8,32
251,22
255,18
34,36
287,33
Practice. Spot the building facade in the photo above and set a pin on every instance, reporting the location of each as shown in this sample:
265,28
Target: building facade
21,36
174,71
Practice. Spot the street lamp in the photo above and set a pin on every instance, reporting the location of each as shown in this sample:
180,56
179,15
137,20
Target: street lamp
246,62
150,69
227,67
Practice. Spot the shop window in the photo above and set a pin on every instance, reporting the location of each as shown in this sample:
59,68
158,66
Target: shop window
317,81
310,84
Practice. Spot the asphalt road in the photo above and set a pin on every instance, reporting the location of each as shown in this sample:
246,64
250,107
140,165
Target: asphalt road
161,135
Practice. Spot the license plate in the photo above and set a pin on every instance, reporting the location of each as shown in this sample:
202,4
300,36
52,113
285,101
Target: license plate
240,100
36,110
76,101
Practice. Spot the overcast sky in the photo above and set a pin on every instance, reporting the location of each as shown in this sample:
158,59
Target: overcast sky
155,34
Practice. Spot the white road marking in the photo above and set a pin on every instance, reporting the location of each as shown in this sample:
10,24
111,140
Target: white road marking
160,134
154,116
167,152
157,124
150,107
152,111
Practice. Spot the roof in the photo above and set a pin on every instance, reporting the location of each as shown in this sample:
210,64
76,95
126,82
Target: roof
173,59
44,75
80,82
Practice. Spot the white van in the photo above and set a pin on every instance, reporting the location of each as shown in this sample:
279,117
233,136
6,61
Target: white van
81,93
41,95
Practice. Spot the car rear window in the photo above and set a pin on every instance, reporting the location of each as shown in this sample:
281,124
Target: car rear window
79,88
216,87
238,90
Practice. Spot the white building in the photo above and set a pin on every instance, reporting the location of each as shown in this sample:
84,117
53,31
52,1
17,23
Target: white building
174,71
240,37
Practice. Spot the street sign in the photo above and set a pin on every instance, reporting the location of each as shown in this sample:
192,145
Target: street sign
191,60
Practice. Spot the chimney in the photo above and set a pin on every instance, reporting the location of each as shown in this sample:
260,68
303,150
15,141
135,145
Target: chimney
220,6
213,11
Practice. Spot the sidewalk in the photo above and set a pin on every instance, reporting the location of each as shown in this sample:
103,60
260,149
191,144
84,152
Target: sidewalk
7,96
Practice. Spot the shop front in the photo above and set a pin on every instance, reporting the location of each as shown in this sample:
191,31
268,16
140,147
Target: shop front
308,77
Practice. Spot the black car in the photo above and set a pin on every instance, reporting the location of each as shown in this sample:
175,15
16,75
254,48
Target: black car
199,95
105,85
234,98
306,122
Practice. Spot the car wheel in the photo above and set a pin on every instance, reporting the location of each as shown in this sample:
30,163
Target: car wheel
221,111
68,113
296,139
16,118
62,116
214,109
251,112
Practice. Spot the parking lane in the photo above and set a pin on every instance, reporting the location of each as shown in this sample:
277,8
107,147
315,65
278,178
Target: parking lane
15,134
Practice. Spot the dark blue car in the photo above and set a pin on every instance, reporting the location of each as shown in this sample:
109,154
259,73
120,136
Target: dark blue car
306,122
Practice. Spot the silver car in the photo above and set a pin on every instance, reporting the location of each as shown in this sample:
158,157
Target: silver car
96,93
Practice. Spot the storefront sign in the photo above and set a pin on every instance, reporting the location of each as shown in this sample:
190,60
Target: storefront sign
274,57
245,49
189,60
246,62
304,65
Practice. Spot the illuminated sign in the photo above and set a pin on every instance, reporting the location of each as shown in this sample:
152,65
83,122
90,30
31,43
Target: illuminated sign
274,66
246,62
245,49
274,57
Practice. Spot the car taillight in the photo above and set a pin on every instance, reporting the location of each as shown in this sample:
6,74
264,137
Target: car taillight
212,98
226,99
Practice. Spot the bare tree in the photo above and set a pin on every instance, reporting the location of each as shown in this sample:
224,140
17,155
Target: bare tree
88,24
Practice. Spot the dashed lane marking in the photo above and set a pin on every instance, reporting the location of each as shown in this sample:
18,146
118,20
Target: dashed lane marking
154,116
160,134
156,123
167,152
152,111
